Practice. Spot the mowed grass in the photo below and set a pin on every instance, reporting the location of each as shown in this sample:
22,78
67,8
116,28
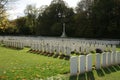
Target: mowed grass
20,65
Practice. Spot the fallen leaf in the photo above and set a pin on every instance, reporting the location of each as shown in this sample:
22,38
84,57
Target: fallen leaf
4,72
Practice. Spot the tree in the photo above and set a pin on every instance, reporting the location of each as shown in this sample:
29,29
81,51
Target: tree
31,15
2,7
105,18
22,28
50,22
11,29
82,19
84,5
4,23
98,19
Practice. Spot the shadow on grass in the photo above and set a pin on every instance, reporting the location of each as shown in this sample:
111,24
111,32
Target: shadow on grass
117,67
100,73
73,77
106,70
50,54
13,48
82,77
112,69
90,76
56,56
67,57
85,76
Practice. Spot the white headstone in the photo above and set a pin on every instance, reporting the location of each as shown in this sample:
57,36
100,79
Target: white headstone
73,47
112,59
82,64
57,49
115,58
114,49
104,60
89,62
18,45
82,49
98,61
39,47
68,51
34,46
21,46
62,49
52,49
109,59
118,57
73,65
14,43
43,47
77,49
48,48
87,50
10,43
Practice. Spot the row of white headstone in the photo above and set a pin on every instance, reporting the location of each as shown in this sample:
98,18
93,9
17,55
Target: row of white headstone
84,63
58,46
14,43
79,46
45,47
64,40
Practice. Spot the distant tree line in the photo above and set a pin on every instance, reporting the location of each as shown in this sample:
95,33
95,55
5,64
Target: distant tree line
90,19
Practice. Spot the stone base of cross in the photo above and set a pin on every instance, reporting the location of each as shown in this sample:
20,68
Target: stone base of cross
63,34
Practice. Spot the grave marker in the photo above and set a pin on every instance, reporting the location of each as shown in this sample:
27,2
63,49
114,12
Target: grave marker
89,62
98,61
73,65
109,59
82,64
104,60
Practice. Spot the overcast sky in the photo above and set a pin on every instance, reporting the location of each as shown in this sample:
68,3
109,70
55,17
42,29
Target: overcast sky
17,9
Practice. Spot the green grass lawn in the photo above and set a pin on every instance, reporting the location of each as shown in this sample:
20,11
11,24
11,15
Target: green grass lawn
18,65
21,65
